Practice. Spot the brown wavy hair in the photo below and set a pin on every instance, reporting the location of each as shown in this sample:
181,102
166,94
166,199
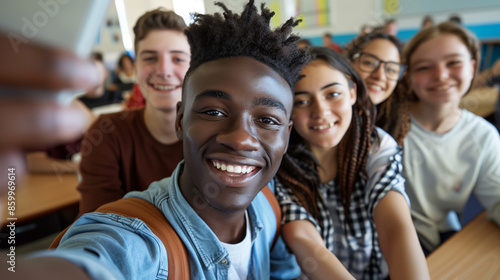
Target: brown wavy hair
158,19
299,167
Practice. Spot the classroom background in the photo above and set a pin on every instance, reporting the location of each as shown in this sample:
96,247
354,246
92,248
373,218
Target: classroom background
342,18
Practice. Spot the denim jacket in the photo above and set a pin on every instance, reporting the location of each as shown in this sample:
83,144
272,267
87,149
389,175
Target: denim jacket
105,244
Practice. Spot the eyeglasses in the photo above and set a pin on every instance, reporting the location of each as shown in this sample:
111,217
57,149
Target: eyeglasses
370,63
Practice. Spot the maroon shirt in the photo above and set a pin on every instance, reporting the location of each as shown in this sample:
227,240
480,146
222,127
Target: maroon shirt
120,155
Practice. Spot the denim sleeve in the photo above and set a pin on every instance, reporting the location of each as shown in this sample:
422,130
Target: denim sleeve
87,261
283,263
124,248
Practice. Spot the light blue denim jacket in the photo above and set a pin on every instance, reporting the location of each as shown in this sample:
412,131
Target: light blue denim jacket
111,246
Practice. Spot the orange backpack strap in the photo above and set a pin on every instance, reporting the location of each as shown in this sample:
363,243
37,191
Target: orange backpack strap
277,211
132,207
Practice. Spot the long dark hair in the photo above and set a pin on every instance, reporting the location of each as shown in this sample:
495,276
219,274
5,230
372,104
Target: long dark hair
299,167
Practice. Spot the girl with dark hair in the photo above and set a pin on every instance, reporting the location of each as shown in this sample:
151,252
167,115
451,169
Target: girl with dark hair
377,59
340,185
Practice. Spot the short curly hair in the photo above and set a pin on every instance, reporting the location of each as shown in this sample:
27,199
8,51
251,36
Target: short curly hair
212,37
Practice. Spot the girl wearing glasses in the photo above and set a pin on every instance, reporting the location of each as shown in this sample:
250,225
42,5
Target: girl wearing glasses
449,152
377,59
340,185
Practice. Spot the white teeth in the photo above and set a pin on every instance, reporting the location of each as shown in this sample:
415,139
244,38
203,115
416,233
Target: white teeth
374,87
240,169
330,125
441,87
160,87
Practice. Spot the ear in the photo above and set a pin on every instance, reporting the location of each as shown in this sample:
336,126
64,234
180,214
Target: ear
473,62
354,96
290,126
178,120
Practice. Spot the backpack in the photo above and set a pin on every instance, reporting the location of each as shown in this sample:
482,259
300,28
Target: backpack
178,261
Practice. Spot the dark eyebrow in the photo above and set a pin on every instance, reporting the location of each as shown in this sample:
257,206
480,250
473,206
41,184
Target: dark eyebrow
258,102
215,94
155,52
324,87
331,85
269,102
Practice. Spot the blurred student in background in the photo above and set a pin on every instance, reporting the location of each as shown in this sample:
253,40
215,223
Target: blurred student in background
449,153
128,150
391,27
365,29
303,43
377,59
427,21
328,42
123,78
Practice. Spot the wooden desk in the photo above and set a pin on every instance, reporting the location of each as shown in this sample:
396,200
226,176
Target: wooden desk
472,253
42,194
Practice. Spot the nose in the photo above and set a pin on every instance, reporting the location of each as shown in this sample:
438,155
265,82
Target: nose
164,66
379,72
239,136
320,108
441,72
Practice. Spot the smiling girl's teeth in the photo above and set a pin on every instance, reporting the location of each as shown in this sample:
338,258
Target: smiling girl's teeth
330,125
160,87
374,87
239,169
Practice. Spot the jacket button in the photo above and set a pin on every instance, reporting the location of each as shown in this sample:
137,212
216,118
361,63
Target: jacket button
224,261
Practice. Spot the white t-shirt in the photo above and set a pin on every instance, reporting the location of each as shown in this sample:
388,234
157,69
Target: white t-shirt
442,170
239,255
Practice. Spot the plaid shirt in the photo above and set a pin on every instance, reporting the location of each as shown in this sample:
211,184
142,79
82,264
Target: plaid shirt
355,245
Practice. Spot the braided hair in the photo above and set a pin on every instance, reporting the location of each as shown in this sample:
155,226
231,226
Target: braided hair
299,167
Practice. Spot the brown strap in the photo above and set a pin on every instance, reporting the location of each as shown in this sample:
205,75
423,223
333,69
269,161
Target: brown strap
277,211
132,207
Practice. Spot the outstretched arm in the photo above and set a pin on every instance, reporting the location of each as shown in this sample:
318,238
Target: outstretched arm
315,260
398,239
47,268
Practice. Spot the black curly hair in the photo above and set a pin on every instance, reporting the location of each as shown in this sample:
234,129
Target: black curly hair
212,37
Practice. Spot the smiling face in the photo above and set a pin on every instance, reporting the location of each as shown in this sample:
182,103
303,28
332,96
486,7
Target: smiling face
162,62
378,86
441,70
322,109
234,122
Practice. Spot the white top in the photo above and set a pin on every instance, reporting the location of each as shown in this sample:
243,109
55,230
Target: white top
239,255
442,170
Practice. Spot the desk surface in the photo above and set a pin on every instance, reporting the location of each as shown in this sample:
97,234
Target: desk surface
41,194
472,253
